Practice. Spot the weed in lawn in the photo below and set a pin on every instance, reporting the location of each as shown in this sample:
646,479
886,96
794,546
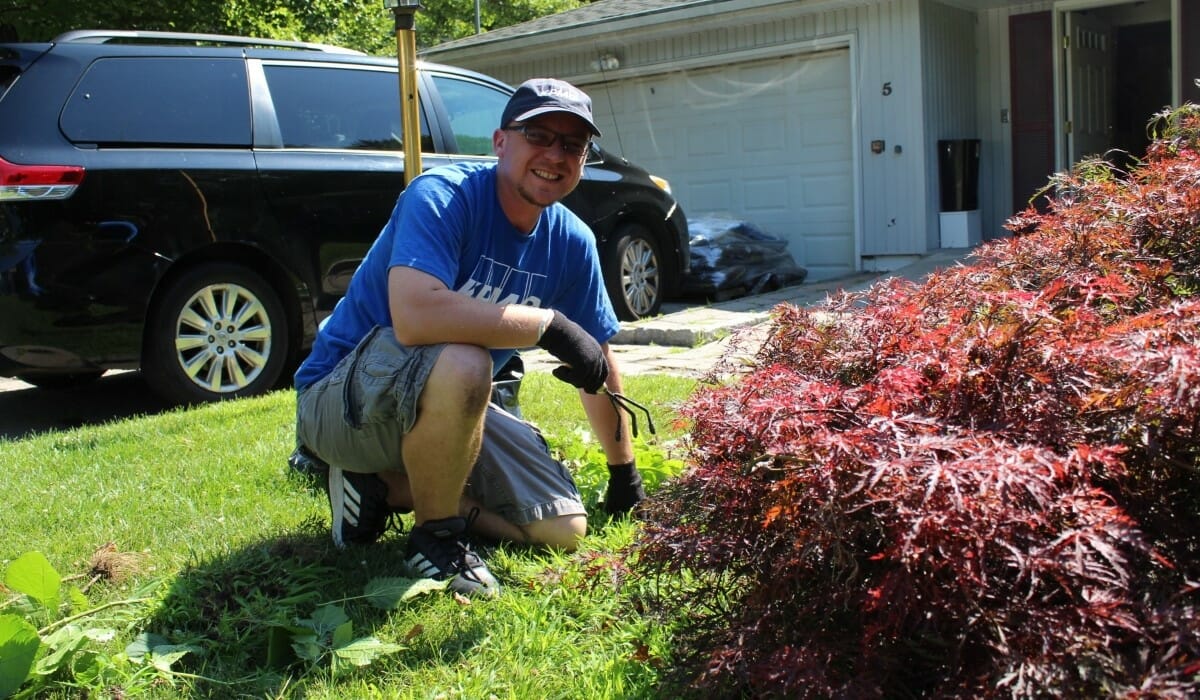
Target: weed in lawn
224,601
30,657
114,566
206,562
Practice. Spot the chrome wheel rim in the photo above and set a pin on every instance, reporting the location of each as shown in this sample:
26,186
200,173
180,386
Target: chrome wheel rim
223,338
639,276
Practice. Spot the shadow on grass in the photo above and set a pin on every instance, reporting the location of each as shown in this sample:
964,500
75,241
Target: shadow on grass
235,608
27,411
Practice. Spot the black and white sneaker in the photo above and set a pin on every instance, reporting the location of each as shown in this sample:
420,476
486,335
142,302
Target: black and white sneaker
439,550
306,464
359,505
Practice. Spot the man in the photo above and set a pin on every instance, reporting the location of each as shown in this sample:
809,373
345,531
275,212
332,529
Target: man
476,261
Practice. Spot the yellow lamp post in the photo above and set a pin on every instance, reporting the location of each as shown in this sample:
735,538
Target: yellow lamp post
405,12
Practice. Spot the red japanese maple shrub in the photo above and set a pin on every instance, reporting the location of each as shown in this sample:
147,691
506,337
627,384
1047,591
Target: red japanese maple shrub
983,485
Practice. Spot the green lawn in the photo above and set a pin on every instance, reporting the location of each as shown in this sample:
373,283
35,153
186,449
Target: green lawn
212,544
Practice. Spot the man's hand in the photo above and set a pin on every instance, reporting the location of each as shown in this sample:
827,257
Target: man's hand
585,365
624,489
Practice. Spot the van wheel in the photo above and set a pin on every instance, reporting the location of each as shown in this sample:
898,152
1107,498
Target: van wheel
633,273
218,332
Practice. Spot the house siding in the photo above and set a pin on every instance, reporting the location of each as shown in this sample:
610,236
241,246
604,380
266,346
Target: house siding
994,100
894,203
948,74
895,218
946,64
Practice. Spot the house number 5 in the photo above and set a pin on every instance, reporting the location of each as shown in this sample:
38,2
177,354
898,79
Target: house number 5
887,89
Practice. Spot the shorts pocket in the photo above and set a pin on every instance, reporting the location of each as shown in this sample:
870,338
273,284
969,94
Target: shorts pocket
380,386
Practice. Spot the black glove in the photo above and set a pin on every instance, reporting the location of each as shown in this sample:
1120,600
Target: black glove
585,365
624,488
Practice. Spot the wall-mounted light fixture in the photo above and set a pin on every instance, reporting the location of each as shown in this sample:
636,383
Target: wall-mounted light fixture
606,62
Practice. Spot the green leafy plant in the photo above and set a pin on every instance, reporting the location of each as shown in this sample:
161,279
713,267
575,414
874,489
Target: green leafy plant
327,634
582,453
228,551
30,656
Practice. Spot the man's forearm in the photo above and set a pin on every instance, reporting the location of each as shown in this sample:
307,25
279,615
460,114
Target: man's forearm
424,312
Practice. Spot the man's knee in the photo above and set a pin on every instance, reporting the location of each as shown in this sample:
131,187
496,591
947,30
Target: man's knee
464,372
563,532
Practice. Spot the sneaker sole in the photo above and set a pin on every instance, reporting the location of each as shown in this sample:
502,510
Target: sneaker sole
466,585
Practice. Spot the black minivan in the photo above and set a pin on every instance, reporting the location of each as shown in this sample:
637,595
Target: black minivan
194,205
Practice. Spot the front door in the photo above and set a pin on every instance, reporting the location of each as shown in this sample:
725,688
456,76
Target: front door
1116,75
1031,51
1089,68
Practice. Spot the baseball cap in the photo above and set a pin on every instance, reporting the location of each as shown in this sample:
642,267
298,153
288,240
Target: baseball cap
543,95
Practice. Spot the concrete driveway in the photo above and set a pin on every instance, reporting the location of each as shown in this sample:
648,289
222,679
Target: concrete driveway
687,340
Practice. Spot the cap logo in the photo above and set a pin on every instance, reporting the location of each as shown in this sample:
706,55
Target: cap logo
559,91
544,95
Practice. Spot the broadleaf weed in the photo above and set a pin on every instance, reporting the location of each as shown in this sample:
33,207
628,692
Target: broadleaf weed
31,658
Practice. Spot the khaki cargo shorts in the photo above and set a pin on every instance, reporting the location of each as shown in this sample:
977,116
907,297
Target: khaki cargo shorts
356,417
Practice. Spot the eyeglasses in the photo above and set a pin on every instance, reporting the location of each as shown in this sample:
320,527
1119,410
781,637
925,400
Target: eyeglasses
545,138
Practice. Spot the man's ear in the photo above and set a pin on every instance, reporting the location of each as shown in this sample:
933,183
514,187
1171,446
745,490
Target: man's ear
498,138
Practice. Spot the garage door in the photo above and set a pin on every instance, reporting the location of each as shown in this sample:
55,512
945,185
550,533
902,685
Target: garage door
768,142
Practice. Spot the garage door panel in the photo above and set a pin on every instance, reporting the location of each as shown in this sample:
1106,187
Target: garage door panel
767,194
825,253
648,95
766,135
662,149
716,194
829,190
821,221
649,149
767,141
707,141
713,89
821,131
818,220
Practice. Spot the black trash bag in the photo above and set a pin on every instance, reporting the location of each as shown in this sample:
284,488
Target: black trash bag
733,258
506,385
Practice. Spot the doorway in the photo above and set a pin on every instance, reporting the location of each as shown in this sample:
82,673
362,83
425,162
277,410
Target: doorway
1116,68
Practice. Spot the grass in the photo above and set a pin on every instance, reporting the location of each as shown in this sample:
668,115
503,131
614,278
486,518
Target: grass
195,514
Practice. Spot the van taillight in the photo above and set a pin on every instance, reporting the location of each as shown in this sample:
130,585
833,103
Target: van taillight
38,182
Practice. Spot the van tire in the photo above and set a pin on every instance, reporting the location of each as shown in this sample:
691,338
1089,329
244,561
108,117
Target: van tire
219,331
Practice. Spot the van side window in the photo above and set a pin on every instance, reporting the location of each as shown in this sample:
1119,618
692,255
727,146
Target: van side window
160,102
474,110
338,108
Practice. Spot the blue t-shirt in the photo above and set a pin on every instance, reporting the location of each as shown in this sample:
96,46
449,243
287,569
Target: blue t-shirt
449,224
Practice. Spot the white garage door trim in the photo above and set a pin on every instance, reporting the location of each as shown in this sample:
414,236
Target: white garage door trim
769,141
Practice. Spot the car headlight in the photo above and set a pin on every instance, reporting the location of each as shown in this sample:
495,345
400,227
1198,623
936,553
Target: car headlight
662,184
